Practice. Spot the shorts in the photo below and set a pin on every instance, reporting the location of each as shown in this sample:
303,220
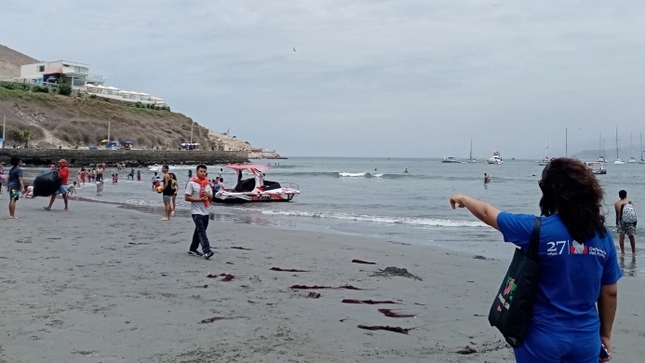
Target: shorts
62,190
626,228
14,194
167,198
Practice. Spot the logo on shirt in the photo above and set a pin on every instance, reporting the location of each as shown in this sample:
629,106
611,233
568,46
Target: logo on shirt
578,248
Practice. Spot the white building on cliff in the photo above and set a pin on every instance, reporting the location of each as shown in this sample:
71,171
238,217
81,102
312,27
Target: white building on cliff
78,75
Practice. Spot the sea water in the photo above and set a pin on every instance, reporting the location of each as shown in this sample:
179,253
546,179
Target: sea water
374,197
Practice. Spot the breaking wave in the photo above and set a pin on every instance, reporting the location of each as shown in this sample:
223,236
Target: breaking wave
414,221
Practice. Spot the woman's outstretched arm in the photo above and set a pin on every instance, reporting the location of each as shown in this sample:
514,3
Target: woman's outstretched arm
482,210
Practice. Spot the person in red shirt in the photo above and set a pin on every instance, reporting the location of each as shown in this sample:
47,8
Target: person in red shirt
63,171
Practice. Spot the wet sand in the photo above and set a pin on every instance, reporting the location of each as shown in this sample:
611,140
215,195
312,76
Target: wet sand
105,284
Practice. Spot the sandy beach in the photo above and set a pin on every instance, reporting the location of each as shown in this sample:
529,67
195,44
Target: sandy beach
106,284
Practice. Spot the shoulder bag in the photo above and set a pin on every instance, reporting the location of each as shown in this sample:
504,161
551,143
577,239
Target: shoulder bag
512,309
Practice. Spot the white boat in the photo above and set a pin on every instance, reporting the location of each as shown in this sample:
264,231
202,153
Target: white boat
154,167
470,158
496,159
255,189
601,150
546,159
450,160
618,160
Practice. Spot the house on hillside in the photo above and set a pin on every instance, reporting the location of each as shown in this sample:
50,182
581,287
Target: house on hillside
79,76
60,71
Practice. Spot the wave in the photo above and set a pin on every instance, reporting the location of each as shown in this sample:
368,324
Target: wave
414,221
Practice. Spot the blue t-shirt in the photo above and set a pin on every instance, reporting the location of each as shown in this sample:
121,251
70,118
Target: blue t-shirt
14,174
572,273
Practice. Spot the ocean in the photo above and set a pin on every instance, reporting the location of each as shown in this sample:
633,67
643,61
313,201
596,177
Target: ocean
373,197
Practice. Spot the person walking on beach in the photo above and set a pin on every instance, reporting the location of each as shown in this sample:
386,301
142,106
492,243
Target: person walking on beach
131,175
625,221
166,193
578,263
15,186
63,171
199,193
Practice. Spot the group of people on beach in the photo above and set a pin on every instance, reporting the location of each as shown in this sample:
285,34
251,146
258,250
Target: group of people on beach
576,302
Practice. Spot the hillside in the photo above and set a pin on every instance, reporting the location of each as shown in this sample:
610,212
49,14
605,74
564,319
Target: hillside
11,60
81,121
74,121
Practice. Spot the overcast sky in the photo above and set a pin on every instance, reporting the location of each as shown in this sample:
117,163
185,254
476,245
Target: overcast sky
396,78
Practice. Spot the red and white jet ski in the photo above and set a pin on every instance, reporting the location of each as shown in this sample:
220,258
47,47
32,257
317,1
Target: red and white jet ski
254,189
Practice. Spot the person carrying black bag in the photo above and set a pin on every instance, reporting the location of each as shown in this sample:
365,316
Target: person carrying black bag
576,292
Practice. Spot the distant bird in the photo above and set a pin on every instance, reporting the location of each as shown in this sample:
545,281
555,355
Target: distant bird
294,49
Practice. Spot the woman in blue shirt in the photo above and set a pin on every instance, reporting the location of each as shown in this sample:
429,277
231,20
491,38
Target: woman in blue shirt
579,265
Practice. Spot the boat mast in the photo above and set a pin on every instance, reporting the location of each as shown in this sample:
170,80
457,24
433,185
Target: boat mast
471,147
545,149
617,143
631,148
566,142
641,146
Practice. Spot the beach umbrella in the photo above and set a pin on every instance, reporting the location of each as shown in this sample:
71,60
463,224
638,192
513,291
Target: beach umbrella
104,141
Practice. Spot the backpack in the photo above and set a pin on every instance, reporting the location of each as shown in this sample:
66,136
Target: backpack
628,213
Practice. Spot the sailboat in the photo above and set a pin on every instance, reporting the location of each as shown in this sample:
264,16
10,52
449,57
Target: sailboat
618,161
601,151
632,159
471,159
546,158
641,161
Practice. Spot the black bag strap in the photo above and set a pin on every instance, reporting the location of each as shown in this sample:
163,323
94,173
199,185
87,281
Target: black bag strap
534,242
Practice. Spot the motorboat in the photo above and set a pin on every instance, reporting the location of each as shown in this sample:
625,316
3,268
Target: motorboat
255,188
154,167
632,160
495,159
450,160
596,167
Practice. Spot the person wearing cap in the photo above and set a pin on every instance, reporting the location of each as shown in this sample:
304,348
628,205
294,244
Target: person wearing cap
63,171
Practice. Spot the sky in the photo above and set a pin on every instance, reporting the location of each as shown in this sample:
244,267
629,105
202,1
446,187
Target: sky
382,78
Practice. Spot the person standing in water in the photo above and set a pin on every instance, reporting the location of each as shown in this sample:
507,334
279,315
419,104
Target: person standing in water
486,178
167,193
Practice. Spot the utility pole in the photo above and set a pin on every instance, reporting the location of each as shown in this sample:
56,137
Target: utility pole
191,133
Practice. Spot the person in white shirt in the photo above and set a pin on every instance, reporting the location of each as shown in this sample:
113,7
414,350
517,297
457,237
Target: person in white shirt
199,194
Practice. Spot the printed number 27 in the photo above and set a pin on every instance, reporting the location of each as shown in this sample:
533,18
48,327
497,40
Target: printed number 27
556,247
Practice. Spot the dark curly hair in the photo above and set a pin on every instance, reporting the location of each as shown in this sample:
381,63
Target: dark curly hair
570,189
